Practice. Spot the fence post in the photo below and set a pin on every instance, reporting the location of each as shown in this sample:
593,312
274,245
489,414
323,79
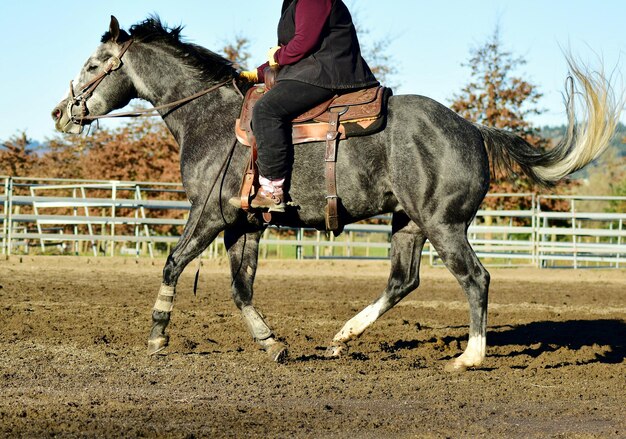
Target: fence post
299,238
39,230
113,198
146,229
94,247
574,240
9,214
5,216
318,238
534,238
619,243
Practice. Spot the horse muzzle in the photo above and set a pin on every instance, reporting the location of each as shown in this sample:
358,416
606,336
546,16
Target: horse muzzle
64,119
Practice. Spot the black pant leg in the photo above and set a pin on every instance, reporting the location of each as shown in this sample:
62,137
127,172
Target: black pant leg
271,123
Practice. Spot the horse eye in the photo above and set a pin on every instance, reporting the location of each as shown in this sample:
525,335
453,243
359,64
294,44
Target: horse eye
92,68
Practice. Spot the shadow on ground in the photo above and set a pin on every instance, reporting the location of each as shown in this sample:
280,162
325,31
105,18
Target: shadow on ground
549,336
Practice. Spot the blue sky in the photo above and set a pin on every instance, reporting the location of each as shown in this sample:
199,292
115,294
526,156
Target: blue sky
45,43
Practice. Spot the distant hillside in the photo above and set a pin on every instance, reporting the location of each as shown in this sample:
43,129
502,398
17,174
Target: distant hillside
557,133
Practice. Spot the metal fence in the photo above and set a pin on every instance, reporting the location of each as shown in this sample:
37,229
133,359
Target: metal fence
52,216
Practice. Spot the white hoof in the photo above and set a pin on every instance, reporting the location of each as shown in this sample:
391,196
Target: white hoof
472,357
278,352
456,366
336,350
156,345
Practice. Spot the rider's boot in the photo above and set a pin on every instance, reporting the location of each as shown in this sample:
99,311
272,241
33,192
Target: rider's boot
270,195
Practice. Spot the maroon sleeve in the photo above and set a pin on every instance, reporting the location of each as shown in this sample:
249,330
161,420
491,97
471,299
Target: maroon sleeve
311,17
261,72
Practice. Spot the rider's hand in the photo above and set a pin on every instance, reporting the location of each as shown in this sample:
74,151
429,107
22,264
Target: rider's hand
270,56
250,75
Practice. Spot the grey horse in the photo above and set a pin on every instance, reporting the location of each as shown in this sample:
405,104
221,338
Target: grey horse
429,168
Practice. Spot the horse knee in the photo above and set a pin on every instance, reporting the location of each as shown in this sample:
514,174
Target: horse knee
171,271
412,284
485,279
398,290
240,298
241,290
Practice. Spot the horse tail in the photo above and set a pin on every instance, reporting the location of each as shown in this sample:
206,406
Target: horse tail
582,143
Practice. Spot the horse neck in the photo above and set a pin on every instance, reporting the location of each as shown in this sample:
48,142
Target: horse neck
160,77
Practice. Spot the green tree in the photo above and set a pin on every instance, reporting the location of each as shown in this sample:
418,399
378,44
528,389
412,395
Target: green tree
496,97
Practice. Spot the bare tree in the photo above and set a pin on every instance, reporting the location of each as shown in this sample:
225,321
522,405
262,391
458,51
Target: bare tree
376,52
237,51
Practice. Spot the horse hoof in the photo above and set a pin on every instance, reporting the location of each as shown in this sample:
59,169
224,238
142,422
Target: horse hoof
278,352
157,344
455,366
336,350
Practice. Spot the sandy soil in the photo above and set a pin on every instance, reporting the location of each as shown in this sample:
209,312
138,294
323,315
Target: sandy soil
73,342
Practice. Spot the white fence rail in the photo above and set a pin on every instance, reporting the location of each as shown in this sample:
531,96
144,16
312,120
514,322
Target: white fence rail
146,218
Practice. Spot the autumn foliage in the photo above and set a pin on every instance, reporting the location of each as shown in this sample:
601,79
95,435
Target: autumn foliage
139,151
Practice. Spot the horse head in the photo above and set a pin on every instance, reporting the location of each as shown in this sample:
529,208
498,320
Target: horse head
102,85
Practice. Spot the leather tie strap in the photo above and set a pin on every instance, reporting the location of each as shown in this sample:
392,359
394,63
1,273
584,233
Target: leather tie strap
332,140
247,185
250,175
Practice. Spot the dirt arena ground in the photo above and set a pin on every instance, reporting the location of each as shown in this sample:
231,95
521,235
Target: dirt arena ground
73,344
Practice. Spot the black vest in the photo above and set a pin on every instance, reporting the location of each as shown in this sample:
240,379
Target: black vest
337,62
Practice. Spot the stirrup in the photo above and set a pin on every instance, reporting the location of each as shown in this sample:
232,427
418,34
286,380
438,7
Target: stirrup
266,200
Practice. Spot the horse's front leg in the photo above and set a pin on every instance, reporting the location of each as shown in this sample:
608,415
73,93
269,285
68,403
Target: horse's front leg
243,253
191,244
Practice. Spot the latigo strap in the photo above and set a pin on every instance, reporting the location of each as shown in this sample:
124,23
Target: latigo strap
332,140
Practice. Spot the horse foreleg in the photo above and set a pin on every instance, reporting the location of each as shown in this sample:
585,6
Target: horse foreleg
453,248
243,253
187,249
406,247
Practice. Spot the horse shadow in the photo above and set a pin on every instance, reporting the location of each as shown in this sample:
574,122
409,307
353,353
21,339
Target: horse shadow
536,338
550,336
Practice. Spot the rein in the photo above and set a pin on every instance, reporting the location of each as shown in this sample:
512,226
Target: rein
113,64
149,111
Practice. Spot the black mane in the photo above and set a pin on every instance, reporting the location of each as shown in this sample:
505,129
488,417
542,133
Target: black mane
152,30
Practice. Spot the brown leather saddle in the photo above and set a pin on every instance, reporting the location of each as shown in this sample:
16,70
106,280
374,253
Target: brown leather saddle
357,113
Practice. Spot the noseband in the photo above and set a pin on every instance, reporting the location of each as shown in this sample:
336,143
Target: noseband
112,64
80,100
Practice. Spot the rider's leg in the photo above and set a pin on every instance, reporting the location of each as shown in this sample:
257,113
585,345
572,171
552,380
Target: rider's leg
271,123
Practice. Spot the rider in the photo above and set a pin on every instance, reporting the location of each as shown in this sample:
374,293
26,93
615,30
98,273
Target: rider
319,56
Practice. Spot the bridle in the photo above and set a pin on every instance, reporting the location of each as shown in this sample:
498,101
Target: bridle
86,91
112,64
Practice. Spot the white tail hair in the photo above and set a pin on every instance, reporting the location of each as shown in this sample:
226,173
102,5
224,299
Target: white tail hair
601,115
584,141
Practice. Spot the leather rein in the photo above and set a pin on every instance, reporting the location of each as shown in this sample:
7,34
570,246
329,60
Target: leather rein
115,63
112,64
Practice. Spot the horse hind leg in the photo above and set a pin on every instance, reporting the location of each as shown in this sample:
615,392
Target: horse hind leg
451,244
406,248
243,252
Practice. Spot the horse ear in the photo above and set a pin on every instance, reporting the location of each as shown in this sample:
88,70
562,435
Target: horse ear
114,29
